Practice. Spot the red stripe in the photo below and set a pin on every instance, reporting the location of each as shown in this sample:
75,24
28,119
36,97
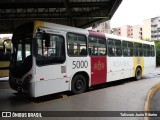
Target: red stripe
96,34
41,78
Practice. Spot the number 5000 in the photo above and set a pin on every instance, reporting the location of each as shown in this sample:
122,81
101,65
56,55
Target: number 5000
80,64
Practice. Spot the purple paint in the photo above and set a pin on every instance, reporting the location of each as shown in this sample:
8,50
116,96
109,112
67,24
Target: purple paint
96,34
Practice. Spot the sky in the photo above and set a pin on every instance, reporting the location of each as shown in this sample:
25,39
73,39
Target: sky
133,12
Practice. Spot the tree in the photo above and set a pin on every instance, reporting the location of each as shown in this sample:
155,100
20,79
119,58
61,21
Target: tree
158,53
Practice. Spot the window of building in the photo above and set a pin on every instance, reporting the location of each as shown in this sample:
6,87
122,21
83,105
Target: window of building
77,44
146,50
114,47
97,46
138,49
55,53
127,48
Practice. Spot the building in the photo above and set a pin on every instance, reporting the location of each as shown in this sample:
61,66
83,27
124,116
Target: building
129,31
146,29
137,31
155,28
151,29
102,27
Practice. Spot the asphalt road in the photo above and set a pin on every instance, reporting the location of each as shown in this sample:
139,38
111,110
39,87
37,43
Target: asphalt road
127,95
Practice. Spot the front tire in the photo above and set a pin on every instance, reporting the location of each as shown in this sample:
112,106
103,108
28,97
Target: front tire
79,84
138,74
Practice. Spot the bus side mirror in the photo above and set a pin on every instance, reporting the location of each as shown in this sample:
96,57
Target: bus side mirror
47,40
35,50
39,35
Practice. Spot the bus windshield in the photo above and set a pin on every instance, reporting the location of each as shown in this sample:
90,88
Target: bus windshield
22,55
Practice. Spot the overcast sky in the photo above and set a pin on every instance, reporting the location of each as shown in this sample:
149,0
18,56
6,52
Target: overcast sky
133,12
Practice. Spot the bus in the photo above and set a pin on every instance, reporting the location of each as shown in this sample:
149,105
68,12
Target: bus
5,52
49,58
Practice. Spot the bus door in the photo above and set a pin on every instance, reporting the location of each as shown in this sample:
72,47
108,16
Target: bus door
97,52
51,63
98,70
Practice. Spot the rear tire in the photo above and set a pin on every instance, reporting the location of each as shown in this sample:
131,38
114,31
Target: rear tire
78,84
138,74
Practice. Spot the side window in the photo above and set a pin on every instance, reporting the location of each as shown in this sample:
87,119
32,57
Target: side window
97,46
127,48
146,50
114,47
138,49
27,50
111,49
130,49
19,54
118,48
77,44
55,53
152,51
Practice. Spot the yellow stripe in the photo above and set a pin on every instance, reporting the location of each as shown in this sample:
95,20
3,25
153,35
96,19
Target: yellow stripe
138,61
38,24
4,63
4,73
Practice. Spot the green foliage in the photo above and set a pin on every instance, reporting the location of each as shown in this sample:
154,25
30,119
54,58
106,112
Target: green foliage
158,53
7,43
148,39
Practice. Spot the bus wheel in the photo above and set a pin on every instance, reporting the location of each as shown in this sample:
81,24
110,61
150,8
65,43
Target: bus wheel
138,74
79,84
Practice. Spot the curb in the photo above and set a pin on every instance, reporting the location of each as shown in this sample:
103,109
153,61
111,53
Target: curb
150,94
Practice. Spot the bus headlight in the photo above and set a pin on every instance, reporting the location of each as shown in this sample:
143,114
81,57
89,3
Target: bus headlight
26,82
28,78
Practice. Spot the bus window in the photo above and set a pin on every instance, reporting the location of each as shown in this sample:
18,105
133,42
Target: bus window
111,49
138,49
77,44
19,54
118,48
54,53
114,47
97,46
127,48
152,51
146,50
130,49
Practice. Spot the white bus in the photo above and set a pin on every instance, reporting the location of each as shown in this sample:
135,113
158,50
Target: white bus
49,58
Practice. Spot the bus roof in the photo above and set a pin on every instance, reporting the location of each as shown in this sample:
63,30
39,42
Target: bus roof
61,27
128,39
